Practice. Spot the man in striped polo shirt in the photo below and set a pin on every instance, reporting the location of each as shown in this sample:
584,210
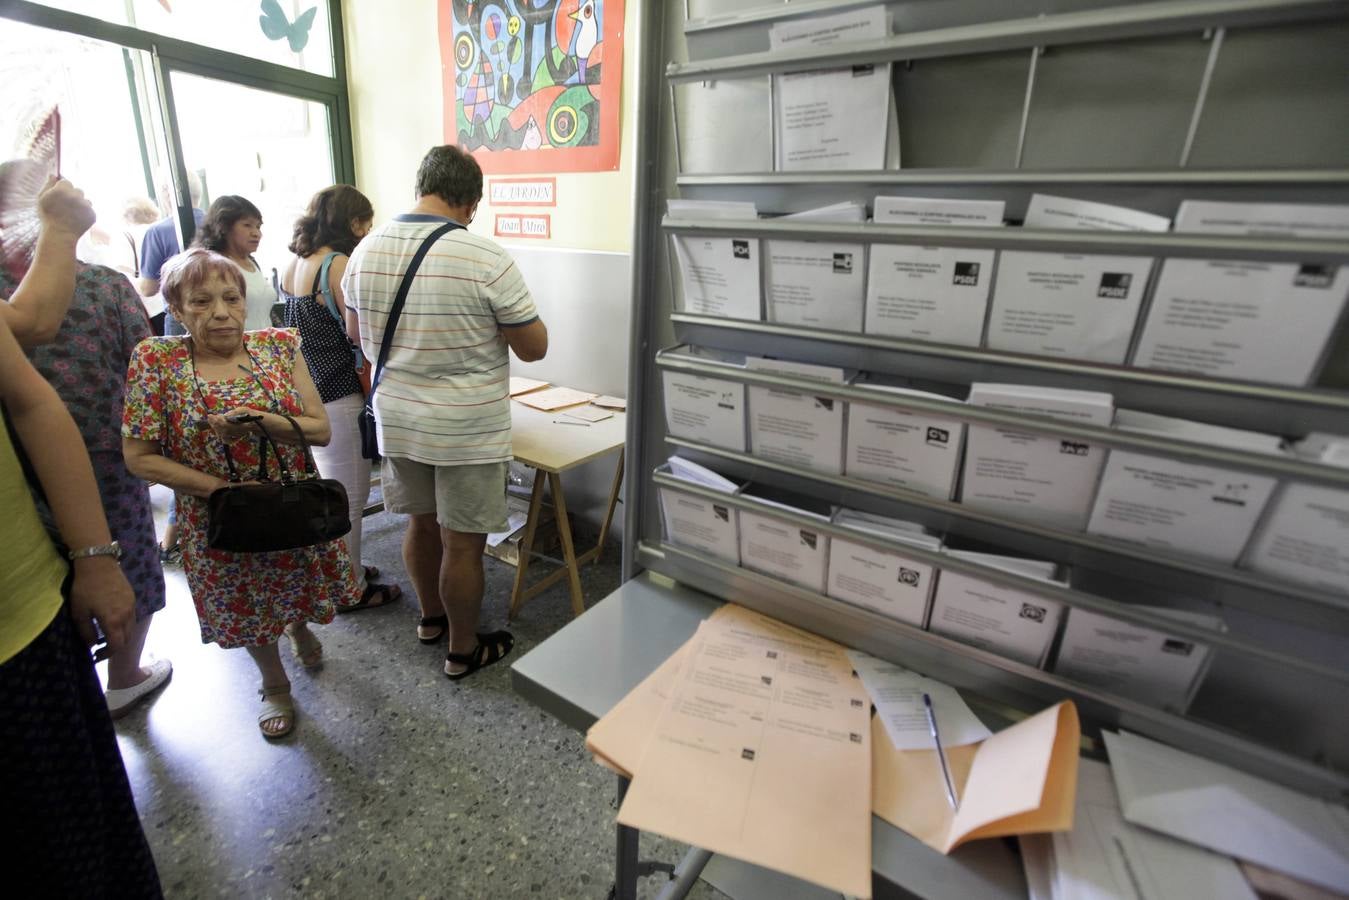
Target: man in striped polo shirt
443,406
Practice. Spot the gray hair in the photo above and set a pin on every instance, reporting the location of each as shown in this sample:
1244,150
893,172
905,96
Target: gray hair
451,174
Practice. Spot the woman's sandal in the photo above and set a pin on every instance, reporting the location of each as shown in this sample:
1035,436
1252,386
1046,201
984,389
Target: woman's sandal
277,706
375,595
441,622
493,646
309,655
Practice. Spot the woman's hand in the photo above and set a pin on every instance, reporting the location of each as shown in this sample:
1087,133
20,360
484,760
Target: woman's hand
100,592
231,431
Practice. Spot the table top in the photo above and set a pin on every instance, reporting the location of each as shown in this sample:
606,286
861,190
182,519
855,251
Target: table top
579,673
538,440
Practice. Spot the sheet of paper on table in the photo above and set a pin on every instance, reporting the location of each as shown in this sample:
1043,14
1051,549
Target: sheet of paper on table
521,385
898,696
588,414
514,523
607,402
555,398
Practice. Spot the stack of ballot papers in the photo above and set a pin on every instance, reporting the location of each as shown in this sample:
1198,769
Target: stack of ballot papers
1230,812
696,522
1017,624
751,741
1135,661
797,428
915,451
704,409
1032,477
1071,304
720,275
784,550
937,294
1104,857
1255,321
880,579
554,398
817,284
1305,538
520,385
1182,507
837,119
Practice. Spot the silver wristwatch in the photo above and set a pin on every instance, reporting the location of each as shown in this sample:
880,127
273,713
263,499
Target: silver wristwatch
114,550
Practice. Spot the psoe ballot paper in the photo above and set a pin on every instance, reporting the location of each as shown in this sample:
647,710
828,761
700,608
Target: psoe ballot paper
704,409
1067,305
817,284
1017,624
1306,536
834,119
916,451
720,275
796,427
937,294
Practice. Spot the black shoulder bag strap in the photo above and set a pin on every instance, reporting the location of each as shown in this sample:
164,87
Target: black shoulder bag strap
396,310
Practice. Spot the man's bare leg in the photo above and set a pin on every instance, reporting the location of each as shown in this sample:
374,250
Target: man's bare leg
461,589
423,555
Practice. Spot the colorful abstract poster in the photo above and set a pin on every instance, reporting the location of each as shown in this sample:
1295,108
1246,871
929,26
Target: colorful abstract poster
533,85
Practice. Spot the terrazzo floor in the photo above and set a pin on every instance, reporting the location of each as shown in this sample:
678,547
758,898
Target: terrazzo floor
396,782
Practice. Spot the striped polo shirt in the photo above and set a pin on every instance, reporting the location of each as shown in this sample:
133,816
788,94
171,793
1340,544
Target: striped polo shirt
444,396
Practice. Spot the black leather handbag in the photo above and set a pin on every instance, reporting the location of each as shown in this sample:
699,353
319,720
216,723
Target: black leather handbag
295,511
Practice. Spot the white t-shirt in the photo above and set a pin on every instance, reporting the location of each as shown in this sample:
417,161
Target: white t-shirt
259,296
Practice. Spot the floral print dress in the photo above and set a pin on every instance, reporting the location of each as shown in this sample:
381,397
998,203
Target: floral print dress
242,599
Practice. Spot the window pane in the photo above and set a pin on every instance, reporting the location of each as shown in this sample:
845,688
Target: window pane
295,34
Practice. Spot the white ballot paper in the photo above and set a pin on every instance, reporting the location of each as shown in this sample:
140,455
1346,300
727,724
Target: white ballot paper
782,549
916,451
704,409
1306,537
1295,220
1182,507
834,119
882,580
937,294
929,211
1048,211
1043,569
1257,321
1033,477
1226,810
1017,624
720,275
1067,304
1132,660
763,754
817,283
1105,858
697,522
898,696
792,427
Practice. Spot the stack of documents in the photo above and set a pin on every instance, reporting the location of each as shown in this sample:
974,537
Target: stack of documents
817,284
1230,812
1103,857
550,399
696,522
1257,321
1135,661
937,294
786,551
1306,537
1010,622
915,451
883,580
835,119
521,385
1070,304
800,429
1023,475
720,276
752,741
1182,507
707,410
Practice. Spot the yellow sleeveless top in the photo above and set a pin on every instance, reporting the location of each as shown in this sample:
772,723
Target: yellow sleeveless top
30,570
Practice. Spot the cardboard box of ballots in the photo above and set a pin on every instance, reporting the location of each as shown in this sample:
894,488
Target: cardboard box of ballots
706,409
1018,624
883,580
1305,537
781,549
914,451
696,522
796,427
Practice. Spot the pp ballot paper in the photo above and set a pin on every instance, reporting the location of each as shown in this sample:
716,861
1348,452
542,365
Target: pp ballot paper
1132,660
1067,304
886,581
1017,624
916,451
720,275
937,294
1033,477
801,429
782,549
703,409
699,523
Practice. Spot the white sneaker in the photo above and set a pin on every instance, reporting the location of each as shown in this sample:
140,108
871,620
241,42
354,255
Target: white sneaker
122,700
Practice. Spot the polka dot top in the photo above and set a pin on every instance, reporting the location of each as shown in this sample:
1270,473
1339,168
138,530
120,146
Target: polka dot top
328,351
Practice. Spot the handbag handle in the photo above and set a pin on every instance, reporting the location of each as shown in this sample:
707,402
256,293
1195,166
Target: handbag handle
310,468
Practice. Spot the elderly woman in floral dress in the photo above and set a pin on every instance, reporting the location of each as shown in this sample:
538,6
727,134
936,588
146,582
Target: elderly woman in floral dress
182,393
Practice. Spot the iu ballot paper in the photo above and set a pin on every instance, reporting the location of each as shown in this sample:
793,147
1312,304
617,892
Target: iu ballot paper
763,754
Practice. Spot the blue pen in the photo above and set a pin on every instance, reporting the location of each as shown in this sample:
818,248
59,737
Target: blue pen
941,754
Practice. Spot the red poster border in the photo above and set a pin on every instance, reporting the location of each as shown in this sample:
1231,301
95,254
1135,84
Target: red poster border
602,158
535,180
497,232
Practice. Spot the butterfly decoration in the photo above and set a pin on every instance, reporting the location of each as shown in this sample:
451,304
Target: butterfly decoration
276,26
21,181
